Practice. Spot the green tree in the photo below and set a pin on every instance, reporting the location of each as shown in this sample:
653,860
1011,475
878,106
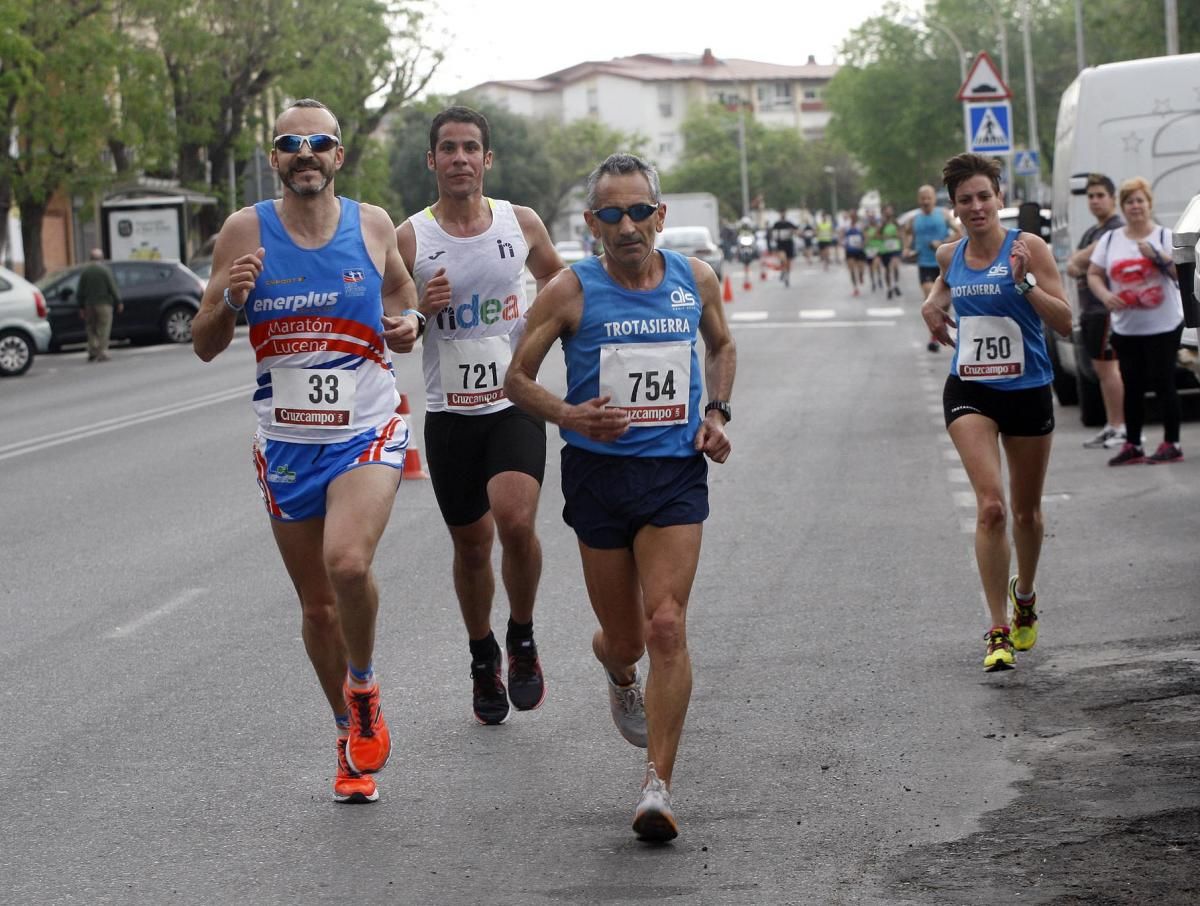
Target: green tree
783,168
59,118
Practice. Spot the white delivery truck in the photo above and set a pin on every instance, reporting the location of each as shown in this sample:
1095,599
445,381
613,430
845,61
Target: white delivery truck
1133,118
694,209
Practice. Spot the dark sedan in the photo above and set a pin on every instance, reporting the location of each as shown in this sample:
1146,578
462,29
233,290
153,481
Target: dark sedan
159,300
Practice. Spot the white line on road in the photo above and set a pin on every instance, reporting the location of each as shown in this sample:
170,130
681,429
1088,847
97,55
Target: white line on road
34,444
893,312
817,314
146,619
749,316
810,324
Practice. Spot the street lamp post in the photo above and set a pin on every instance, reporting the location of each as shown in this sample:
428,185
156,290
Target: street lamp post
1030,94
962,54
832,171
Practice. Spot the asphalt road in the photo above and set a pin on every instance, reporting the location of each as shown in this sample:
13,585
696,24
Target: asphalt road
164,740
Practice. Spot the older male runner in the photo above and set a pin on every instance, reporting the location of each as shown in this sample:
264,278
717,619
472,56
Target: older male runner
326,295
633,469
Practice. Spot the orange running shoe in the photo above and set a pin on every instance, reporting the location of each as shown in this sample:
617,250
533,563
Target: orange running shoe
370,743
349,786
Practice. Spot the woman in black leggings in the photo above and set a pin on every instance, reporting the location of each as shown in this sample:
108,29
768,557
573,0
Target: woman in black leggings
1131,272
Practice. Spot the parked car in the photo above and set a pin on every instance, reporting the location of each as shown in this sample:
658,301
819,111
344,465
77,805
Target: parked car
159,300
570,251
201,267
696,241
24,329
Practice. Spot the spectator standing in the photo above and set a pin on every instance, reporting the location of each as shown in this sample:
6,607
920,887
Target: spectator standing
98,301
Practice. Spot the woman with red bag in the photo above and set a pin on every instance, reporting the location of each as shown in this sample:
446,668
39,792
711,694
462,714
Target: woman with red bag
1131,272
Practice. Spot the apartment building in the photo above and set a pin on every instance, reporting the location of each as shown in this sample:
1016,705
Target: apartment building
650,94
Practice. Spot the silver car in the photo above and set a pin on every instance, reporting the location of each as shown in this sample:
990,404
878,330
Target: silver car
695,241
24,329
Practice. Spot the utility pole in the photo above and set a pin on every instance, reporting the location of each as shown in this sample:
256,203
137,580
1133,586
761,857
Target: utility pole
1030,94
742,155
1171,13
1080,61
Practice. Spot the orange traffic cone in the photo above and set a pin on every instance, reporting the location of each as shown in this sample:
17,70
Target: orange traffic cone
728,296
403,408
412,465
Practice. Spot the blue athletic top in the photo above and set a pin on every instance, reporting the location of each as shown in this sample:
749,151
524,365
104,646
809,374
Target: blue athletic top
639,346
319,312
990,293
927,228
854,240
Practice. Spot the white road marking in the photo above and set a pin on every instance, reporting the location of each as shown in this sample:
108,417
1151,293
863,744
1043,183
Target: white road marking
817,314
958,476
893,312
773,325
158,613
749,316
34,444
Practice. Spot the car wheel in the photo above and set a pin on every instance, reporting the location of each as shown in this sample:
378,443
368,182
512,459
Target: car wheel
16,353
177,324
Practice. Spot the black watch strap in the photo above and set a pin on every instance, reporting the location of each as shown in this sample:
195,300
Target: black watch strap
721,406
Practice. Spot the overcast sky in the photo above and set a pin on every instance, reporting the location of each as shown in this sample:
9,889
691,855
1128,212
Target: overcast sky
487,40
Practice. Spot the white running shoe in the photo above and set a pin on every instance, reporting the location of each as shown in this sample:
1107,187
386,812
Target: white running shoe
628,709
1117,441
654,821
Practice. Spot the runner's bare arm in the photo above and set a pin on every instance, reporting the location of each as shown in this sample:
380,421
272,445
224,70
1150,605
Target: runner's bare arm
936,309
543,261
555,314
397,290
237,262
1030,253
720,362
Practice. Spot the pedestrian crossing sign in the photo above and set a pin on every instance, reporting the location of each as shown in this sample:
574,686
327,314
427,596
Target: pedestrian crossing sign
1026,163
989,127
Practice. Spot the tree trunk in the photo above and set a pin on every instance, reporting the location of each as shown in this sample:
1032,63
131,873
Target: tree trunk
32,216
5,204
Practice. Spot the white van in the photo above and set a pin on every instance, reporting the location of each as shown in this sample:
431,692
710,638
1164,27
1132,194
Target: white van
1134,118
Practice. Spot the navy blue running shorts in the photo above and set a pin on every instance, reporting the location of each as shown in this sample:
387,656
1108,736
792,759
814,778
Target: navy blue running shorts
927,274
1018,413
610,498
467,451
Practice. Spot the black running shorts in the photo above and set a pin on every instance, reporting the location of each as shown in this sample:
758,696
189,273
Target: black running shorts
609,499
927,274
1018,413
466,451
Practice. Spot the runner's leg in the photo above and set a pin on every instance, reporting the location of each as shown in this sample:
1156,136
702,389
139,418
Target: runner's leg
1028,459
666,563
300,545
514,500
977,440
358,504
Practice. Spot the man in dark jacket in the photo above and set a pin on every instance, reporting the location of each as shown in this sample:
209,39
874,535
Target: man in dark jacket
98,297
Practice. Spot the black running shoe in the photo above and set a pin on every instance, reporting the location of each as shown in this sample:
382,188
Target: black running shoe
526,685
489,700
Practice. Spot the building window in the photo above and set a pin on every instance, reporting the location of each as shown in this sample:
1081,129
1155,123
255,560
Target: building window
666,144
666,97
774,94
812,94
593,100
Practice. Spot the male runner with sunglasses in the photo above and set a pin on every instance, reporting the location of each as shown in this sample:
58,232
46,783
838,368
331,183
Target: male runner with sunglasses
468,254
325,294
634,476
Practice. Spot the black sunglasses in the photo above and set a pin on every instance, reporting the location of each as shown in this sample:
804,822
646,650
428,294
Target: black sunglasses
637,213
290,143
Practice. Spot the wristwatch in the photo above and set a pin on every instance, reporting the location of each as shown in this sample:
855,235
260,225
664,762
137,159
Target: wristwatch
1027,284
421,319
721,406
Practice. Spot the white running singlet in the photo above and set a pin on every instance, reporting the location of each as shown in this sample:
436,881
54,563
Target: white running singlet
469,344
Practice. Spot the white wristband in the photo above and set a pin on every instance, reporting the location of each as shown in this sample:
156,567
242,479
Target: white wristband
229,302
